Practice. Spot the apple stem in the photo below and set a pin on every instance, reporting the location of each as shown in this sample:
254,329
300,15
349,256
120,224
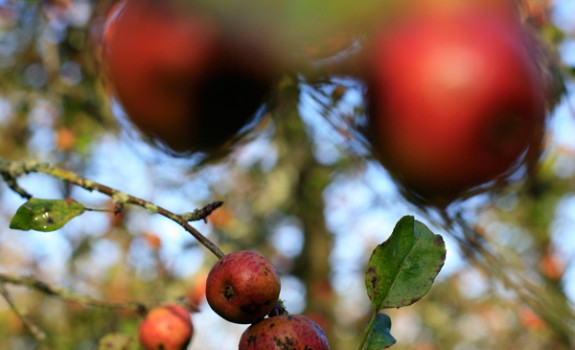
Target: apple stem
11,170
278,310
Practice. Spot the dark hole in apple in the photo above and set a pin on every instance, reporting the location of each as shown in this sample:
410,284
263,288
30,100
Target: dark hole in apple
228,292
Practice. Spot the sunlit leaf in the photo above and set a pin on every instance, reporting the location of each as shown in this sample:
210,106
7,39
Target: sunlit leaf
45,214
379,336
402,269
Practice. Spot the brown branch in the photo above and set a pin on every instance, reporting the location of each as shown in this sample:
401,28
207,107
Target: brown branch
55,291
11,182
12,170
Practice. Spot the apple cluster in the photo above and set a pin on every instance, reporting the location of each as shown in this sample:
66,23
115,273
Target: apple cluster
242,287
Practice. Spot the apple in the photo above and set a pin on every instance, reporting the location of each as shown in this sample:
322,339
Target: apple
294,332
243,287
503,8
454,101
179,77
166,327
197,292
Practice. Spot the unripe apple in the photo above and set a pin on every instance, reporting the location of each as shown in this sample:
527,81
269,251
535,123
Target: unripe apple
167,327
454,101
243,287
180,79
294,332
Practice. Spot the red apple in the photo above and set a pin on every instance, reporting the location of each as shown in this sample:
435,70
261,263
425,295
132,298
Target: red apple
180,79
454,101
503,8
166,328
294,332
243,287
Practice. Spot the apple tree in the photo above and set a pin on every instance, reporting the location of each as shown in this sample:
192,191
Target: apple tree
263,175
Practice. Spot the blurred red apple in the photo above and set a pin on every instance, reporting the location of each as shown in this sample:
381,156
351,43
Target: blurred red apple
178,77
166,328
502,8
454,101
197,292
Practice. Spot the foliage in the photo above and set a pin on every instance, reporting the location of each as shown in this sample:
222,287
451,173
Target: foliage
45,214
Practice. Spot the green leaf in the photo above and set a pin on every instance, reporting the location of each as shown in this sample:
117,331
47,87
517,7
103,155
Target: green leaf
379,336
402,269
45,214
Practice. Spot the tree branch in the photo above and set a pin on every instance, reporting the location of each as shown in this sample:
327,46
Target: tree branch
52,290
11,170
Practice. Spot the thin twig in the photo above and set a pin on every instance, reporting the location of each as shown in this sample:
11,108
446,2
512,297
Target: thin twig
52,290
13,185
36,332
202,213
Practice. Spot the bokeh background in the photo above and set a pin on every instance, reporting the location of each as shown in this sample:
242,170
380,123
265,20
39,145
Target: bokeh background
302,189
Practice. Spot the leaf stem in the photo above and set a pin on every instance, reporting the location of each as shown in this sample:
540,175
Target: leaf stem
367,331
